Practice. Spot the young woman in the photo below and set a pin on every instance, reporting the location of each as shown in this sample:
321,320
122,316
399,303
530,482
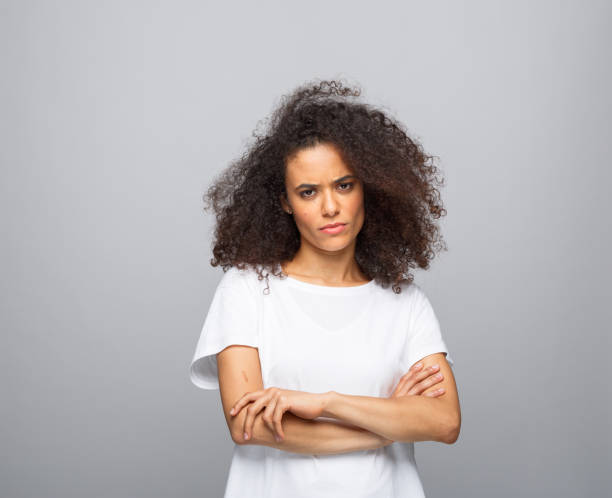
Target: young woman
329,358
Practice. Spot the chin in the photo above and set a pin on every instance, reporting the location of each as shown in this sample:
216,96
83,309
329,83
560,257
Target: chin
335,246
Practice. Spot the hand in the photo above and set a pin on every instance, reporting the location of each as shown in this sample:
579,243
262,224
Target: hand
276,402
416,380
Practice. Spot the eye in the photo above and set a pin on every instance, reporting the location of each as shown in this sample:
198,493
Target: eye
346,187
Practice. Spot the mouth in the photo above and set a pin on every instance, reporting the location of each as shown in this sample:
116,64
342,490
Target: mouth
333,228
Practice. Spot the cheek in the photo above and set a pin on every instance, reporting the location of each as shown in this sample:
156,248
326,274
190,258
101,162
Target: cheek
357,207
304,218
358,215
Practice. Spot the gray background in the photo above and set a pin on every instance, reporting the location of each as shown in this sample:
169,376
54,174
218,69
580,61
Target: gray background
117,115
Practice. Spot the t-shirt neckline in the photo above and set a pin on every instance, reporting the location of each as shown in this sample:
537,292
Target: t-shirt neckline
329,289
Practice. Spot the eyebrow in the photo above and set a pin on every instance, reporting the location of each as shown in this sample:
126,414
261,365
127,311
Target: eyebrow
311,185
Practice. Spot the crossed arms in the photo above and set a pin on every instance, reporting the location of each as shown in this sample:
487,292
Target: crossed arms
359,422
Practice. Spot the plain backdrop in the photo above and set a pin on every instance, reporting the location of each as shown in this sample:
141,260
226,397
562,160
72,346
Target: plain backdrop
116,116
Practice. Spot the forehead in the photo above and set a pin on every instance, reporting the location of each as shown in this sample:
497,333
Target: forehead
320,162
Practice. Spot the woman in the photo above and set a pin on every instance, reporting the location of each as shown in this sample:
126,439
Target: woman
329,359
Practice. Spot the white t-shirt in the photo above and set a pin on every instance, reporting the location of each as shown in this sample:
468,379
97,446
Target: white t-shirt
353,340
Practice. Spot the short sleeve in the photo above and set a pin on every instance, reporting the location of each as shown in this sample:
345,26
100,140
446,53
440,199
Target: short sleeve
231,319
424,335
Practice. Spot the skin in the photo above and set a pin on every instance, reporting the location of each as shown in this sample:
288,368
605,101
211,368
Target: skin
325,259
309,406
319,191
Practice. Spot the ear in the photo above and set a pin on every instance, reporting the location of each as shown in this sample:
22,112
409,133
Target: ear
285,205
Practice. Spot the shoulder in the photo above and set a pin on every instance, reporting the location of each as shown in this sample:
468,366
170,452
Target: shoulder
414,293
235,279
241,280
412,301
417,299
410,294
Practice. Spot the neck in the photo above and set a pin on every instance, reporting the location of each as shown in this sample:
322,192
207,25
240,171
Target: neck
321,266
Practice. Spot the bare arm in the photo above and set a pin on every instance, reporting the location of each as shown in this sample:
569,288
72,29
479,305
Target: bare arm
240,372
313,437
406,418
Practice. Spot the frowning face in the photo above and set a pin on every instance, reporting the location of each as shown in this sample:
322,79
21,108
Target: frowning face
322,190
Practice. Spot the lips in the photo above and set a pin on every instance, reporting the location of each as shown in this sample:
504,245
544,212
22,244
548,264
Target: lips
333,228
333,225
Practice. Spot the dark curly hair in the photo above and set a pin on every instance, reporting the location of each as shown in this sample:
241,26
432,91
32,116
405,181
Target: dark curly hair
401,202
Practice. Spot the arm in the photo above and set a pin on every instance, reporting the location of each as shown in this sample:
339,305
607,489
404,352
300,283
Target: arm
239,372
318,437
405,418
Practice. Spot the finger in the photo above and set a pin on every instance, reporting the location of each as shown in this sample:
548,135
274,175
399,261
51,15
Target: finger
241,402
436,393
269,413
404,378
398,388
401,383
416,367
405,388
419,382
409,380
280,408
428,382
252,411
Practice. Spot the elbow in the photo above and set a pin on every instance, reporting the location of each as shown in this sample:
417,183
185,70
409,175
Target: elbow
238,436
451,436
237,430
257,434
451,431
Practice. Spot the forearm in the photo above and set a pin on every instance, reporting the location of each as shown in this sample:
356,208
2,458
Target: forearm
403,418
314,437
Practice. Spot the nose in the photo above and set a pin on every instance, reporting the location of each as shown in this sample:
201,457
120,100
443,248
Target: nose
330,205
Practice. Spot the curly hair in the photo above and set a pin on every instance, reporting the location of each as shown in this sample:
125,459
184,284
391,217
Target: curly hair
401,202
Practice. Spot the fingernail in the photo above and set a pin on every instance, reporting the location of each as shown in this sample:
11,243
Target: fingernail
232,411
418,365
246,436
278,439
